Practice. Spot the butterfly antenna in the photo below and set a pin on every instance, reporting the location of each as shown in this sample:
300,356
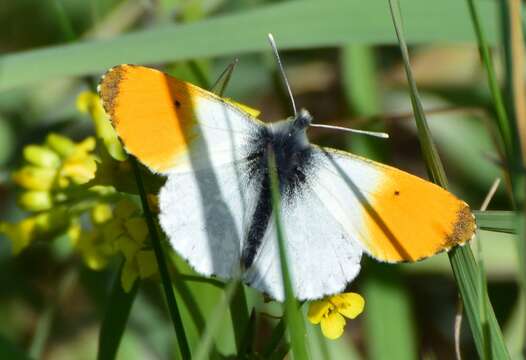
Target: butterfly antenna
282,70
357,131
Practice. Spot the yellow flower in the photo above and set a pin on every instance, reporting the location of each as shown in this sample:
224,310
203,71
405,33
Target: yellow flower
89,102
139,262
21,234
328,312
52,166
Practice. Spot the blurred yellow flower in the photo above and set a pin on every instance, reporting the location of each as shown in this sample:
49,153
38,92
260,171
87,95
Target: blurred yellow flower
51,167
330,312
89,102
140,262
22,233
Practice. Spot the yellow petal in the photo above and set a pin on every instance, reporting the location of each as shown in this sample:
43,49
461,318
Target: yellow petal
21,234
332,326
128,247
137,229
318,309
112,230
128,275
349,304
125,208
79,170
147,263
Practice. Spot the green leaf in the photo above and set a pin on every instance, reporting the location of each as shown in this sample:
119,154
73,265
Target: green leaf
350,22
487,335
8,350
115,319
293,314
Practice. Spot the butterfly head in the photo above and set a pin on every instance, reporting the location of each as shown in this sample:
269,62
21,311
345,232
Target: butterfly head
302,121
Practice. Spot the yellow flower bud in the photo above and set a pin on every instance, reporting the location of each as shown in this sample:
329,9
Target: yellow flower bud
101,213
20,234
41,156
35,200
129,274
90,102
80,170
60,144
34,177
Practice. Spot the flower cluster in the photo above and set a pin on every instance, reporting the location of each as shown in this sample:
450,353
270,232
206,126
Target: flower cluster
60,187
331,312
47,180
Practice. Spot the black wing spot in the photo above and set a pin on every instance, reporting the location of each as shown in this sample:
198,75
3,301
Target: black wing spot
177,104
397,193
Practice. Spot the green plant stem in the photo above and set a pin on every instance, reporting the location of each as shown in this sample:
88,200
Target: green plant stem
163,268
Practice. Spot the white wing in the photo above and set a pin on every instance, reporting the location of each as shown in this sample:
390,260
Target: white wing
205,214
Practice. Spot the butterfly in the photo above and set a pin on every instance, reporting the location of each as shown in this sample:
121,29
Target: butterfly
216,209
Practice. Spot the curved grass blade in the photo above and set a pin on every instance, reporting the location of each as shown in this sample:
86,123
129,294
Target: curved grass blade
115,318
275,339
293,314
465,269
163,268
213,37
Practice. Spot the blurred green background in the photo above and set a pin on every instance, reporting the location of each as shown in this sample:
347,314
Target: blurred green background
343,65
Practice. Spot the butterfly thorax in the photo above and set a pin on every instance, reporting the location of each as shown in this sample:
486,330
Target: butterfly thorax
288,141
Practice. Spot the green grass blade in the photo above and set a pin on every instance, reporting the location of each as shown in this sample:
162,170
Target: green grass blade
496,220
275,339
463,264
388,320
293,314
163,268
213,325
502,117
222,36
434,165
390,330
115,318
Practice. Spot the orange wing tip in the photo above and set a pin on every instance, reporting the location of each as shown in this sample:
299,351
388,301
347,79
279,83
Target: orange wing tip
108,88
464,228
